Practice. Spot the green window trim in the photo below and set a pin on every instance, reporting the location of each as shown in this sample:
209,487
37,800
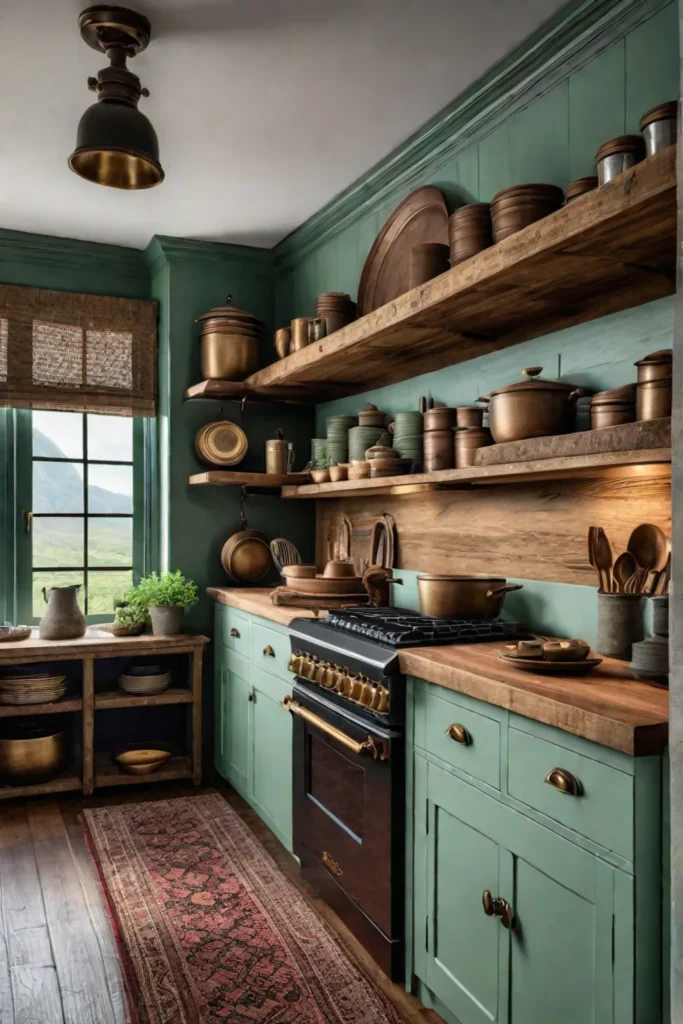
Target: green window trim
16,459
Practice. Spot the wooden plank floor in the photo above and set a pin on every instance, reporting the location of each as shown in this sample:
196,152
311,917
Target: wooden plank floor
58,957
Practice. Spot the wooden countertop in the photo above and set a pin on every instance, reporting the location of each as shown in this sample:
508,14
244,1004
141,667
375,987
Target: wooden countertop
34,649
607,706
256,600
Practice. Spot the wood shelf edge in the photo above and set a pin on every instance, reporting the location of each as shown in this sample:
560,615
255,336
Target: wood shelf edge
107,774
120,699
230,478
65,783
52,708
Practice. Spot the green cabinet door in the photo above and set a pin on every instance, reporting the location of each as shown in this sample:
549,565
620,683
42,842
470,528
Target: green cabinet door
219,683
271,766
555,966
236,724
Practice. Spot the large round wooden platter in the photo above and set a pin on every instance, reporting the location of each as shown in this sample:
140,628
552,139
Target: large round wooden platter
421,217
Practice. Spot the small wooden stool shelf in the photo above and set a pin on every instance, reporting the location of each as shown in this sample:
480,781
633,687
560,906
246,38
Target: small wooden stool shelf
235,478
98,769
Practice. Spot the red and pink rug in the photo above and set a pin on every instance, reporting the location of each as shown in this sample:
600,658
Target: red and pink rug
211,930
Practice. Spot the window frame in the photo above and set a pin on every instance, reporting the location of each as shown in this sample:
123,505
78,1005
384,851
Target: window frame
16,445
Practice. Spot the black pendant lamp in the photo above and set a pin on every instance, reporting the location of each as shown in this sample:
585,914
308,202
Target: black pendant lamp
116,144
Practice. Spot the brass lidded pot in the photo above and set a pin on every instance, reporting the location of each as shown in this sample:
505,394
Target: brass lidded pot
229,343
532,407
656,366
454,596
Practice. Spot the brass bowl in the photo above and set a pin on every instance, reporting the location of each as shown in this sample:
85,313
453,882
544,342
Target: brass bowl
228,356
37,756
141,761
246,556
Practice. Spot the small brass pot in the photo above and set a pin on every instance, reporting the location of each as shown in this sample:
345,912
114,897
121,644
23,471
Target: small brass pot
34,755
653,399
225,355
282,340
453,597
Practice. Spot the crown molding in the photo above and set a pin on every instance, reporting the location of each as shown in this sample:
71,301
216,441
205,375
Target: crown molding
561,46
70,253
167,249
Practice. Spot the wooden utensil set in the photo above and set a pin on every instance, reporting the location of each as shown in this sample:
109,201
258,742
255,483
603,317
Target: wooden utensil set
644,568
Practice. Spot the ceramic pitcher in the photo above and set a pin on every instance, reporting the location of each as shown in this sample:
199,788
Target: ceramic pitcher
63,619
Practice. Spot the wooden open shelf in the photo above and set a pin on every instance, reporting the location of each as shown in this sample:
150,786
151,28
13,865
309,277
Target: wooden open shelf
108,774
612,249
235,478
55,707
116,698
654,461
236,391
67,782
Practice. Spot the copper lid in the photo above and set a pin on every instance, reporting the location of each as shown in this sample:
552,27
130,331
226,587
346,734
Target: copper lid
662,112
580,186
662,357
230,313
621,144
532,382
625,394
533,191
457,577
473,211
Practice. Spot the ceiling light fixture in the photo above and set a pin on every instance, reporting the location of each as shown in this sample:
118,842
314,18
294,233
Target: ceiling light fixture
116,144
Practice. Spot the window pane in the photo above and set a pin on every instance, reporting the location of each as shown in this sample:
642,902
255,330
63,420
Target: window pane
110,437
58,435
53,579
57,542
57,487
110,542
110,488
104,588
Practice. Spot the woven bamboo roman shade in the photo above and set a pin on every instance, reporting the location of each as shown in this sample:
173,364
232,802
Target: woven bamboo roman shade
78,353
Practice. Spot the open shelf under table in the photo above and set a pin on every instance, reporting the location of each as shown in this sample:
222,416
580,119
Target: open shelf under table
65,782
107,772
114,697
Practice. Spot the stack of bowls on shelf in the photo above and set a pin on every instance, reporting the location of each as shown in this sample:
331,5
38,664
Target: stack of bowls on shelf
609,408
470,434
516,207
653,392
319,451
650,657
439,440
579,187
338,438
337,309
469,231
229,343
408,429
361,438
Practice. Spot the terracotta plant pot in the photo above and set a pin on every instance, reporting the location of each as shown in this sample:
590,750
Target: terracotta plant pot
166,619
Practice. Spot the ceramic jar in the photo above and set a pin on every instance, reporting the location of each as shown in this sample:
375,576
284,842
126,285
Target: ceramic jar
63,619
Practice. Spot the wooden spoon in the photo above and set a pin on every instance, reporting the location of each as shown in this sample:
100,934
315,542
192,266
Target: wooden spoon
648,545
625,568
603,559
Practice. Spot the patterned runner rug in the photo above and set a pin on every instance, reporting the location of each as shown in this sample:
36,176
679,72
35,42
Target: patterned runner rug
211,930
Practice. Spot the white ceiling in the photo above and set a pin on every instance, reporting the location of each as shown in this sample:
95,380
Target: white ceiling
265,109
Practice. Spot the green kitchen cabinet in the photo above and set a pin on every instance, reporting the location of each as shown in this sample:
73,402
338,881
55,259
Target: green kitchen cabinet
270,776
236,728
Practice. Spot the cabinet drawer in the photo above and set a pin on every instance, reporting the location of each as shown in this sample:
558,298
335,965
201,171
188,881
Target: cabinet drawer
236,632
602,810
478,753
270,650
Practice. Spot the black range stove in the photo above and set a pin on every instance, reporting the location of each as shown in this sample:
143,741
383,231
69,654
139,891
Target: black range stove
348,706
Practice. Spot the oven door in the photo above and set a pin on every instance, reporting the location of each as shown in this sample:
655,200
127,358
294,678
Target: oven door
349,819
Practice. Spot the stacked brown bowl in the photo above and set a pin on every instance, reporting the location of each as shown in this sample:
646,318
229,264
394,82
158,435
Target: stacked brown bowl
439,449
516,207
609,408
337,309
229,343
654,389
467,441
469,231
579,188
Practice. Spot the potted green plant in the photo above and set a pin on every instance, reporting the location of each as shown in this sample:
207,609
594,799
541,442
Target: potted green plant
166,597
131,615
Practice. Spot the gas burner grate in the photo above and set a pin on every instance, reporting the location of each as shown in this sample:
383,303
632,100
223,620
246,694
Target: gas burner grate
400,627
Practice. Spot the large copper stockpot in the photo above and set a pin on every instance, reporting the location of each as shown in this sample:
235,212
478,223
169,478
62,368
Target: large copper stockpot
532,407
454,597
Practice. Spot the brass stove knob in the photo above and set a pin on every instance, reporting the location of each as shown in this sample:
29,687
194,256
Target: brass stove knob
384,699
356,688
307,667
366,694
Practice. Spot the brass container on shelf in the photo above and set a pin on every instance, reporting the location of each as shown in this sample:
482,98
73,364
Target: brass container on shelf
653,399
439,450
656,366
299,333
30,754
467,441
228,356
282,341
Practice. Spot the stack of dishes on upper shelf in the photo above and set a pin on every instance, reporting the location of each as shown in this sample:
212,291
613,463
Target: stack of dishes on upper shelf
338,438
221,443
338,579
579,187
26,686
230,340
469,231
371,430
518,206
337,309
145,680
408,431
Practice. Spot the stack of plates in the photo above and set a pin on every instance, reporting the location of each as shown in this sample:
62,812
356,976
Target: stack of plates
650,659
37,688
408,431
362,438
145,680
319,451
221,443
337,309
338,438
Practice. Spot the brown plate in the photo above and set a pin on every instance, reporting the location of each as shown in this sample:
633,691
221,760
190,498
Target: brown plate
322,586
553,668
421,217
221,443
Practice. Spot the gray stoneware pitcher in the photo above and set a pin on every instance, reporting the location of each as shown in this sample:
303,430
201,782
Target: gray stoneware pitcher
63,619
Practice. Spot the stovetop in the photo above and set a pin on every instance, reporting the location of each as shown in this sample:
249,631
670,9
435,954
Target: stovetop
400,628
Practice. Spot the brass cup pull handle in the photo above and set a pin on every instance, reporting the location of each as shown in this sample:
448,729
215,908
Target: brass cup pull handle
331,864
357,747
564,782
459,733
496,906
268,651
234,632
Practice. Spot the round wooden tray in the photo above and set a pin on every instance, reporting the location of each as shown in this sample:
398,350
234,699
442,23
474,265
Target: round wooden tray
421,217
553,668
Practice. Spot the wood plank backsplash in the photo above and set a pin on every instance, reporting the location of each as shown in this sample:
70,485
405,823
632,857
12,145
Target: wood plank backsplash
534,531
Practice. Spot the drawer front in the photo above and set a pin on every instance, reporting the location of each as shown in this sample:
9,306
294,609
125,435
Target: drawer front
236,632
463,738
270,650
601,811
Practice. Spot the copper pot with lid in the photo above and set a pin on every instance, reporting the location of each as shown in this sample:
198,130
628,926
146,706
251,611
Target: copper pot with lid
656,366
454,596
532,407
229,343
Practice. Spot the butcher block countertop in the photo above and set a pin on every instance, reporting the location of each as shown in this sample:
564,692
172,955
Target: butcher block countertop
608,706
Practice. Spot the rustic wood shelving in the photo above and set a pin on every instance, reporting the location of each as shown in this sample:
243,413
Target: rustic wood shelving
107,774
235,478
612,249
237,391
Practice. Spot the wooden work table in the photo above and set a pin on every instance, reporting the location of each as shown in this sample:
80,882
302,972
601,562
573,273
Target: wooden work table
608,706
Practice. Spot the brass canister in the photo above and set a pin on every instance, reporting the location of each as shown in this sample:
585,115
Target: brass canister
299,333
279,456
226,356
653,399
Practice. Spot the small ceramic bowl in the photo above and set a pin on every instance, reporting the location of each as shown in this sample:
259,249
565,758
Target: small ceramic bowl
338,472
565,650
320,476
359,470
299,572
336,569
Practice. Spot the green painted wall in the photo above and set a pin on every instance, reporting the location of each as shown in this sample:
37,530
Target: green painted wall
622,65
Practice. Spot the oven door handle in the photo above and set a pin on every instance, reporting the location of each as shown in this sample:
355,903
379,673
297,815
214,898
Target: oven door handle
367,746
